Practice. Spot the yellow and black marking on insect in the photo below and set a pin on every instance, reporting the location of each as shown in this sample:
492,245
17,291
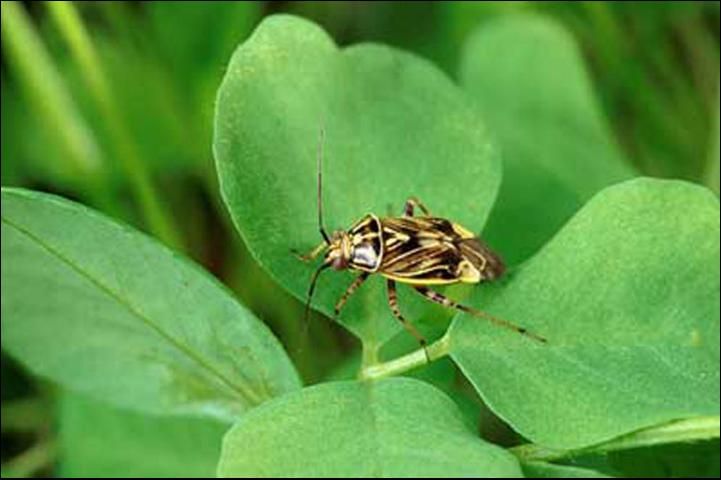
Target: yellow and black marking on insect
418,251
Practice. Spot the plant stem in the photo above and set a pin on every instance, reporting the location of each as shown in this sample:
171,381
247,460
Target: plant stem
407,362
693,429
46,92
73,30
369,356
31,461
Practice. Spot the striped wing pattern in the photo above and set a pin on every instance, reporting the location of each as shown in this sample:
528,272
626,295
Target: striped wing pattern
432,250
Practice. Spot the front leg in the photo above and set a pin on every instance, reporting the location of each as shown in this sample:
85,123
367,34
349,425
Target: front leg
411,203
349,291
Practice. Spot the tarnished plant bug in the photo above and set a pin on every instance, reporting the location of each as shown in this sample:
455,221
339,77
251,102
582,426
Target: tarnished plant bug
416,250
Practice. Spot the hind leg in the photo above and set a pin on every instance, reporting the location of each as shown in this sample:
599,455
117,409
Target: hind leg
436,297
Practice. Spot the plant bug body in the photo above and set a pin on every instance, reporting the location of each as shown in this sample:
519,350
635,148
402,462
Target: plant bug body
420,251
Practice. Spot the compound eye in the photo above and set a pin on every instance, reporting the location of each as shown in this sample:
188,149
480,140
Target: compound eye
365,255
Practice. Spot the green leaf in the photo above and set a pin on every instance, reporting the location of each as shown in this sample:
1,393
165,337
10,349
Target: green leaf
393,427
180,33
395,127
96,440
529,80
627,295
552,470
106,311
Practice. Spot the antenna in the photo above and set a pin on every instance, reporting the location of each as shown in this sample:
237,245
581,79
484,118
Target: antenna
306,313
326,239
320,187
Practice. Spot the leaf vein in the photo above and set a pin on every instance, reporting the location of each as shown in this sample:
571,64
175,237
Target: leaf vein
244,393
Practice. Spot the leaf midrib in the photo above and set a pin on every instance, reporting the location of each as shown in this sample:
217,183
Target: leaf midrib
244,393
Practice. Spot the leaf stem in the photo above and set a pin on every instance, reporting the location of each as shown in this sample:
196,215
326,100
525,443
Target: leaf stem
436,350
687,430
369,356
72,29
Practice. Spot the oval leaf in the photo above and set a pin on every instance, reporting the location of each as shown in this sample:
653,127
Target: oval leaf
528,77
395,127
628,296
391,428
104,310
96,440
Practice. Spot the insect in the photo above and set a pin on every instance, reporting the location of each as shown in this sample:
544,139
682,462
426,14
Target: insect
420,251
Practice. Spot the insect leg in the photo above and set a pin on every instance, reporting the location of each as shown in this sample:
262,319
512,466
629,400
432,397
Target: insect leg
307,257
411,203
447,302
351,289
393,302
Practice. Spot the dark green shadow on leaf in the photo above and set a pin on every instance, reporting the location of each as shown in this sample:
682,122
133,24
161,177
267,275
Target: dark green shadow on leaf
714,154
676,460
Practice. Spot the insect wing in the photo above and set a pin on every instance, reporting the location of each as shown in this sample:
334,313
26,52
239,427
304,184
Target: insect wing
420,250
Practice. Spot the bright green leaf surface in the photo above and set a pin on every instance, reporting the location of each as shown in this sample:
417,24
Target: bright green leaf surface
628,296
393,427
395,127
104,310
528,78
96,440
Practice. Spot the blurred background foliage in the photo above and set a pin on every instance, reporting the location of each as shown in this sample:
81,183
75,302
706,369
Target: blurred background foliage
112,103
